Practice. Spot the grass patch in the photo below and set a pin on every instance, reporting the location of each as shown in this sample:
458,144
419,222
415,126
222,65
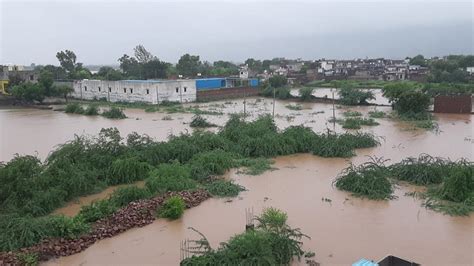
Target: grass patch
356,122
74,108
91,110
254,166
223,188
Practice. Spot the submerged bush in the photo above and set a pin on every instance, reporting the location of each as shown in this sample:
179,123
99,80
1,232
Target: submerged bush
172,208
114,113
376,114
280,93
124,195
92,110
273,242
215,162
459,184
74,108
352,113
424,170
97,210
355,96
162,184
368,180
356,123
224,188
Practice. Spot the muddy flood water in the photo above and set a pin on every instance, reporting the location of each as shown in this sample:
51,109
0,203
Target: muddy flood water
342,231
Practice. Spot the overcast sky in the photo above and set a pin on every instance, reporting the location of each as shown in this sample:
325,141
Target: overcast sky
102,31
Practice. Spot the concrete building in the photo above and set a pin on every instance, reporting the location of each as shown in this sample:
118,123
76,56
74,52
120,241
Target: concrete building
9,72
147,91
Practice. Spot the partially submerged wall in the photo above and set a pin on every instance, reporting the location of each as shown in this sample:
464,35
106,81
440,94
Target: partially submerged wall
457,104
225,93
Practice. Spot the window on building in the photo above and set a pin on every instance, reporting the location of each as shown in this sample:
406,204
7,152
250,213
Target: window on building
177,89
110,89
99,88
32,77
147,91
85,88
124,90
131,90
185,89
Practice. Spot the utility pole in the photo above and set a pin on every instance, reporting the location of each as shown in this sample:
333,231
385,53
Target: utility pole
273,102
245,104
333,114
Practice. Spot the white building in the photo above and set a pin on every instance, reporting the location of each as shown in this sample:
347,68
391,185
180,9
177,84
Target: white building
470,70
147,91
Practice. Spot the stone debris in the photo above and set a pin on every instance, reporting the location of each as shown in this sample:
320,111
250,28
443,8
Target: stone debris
135,214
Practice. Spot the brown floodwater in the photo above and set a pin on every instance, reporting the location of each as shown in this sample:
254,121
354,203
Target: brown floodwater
342,231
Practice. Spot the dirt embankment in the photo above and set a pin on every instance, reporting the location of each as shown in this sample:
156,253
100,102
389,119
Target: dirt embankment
135,214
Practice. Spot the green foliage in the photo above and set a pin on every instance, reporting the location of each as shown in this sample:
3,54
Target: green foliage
74,108
28,92
97,210
223,188
215,162
124,195
25,231
352,113
28,259
172,208
424,170
170,177
367,180
188,65
306,94
393,91
343,145
278,81
281,93
254,166
459,184
273,242
410,103
354,96
357,122
127,170
92,110
114,113
294,107
376,114
418,60
201,122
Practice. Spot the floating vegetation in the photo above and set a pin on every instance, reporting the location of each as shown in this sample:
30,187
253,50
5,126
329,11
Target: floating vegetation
255,166
357,122
173,208
74,108
91,110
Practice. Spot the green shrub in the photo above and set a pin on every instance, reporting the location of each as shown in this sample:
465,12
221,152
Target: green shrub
97,210
354,96
74,108
224,188
199,121
367,180
357,122
18,232
114,113
272,219
376,114
281,93
162,184
294,107
424,170
173,208
412,102
352,113
254,166
92,110
124,195
28,259
306,94
459,184
127,171
215,162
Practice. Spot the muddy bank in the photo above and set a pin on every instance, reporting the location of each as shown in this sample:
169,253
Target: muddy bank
135,214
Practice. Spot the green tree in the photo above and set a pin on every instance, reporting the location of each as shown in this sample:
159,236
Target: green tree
28,92
46,81
418,60
188,65
278,81
142,55
63,91
154,69
130,67
67,60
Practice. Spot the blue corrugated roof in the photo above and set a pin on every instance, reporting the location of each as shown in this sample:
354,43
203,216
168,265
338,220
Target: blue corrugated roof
364,262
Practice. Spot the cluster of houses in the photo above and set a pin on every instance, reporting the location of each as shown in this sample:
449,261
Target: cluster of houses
357,69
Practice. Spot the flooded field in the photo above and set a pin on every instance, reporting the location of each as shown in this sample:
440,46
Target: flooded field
342,231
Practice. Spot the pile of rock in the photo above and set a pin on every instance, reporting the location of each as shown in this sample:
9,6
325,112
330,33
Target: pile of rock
135,214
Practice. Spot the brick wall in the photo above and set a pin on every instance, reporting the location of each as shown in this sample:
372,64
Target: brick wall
226,93
458,104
